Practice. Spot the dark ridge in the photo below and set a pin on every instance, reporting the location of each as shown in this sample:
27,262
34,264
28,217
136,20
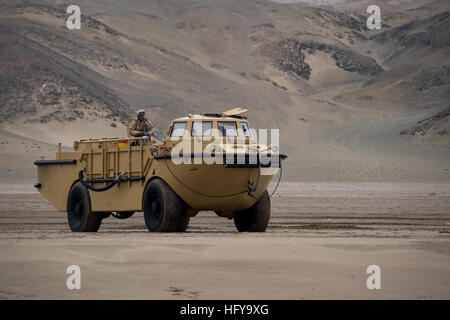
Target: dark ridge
34,77
287,56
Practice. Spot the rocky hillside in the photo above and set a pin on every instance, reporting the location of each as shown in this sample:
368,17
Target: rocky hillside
45,77
306,69
39,85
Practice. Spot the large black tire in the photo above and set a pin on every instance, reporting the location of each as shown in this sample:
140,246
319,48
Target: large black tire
256,218
183,223
79,214
162,207
123,214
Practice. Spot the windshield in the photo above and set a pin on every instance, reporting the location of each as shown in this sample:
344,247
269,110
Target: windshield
201,128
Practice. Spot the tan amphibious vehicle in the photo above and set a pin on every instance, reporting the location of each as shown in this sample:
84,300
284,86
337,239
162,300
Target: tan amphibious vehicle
208,162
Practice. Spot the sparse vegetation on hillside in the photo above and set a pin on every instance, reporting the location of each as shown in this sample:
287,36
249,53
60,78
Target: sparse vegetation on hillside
315,72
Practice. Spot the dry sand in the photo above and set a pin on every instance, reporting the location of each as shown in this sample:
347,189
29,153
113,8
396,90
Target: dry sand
320,241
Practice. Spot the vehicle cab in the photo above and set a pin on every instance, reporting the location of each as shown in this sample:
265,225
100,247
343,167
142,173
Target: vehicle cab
211,132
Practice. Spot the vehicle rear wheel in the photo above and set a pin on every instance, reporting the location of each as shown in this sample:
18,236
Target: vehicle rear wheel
162,207
123,214
79,214
256,218
184,222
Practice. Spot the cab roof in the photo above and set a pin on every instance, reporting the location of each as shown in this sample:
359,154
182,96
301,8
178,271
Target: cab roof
230,115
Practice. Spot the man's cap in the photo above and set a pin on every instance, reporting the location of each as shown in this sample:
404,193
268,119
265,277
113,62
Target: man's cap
140,111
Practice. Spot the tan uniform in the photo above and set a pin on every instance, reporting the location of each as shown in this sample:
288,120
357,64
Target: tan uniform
137,125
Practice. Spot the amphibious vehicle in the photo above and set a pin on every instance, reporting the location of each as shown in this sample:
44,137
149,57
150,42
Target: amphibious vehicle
208,162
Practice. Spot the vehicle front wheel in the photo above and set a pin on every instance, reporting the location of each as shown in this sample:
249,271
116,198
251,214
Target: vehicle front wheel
79,214
256,218
183,223
162,207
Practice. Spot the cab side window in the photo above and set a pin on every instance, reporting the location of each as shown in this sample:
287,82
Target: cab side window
178,129
244,126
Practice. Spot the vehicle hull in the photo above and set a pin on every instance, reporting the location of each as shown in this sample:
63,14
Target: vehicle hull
215,187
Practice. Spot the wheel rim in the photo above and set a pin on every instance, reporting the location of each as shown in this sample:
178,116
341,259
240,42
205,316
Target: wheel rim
76,211
156,209
155,216
79,209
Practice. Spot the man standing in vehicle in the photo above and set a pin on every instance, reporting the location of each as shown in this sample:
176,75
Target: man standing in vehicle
140,127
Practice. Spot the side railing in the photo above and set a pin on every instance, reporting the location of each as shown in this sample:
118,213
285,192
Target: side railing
107,158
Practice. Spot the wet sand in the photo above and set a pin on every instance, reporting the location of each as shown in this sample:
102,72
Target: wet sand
320,241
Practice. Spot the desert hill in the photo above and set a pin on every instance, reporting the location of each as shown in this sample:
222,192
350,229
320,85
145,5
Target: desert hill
352,104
